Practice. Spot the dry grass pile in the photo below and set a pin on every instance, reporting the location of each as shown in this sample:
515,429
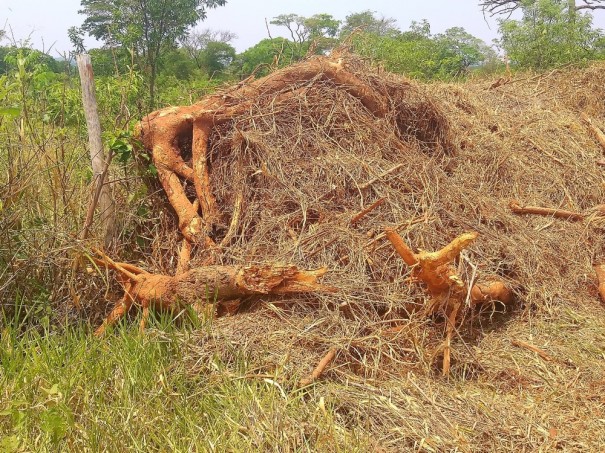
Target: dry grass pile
290,167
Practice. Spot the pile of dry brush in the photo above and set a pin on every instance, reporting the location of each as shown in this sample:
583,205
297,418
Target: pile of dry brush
333,166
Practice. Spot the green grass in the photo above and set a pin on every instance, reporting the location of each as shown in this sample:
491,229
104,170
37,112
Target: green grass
70,391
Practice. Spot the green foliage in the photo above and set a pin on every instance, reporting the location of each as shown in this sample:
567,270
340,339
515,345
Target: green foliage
69,391
265,55
210,51
111,61
367,22
147,27
419,54
319,30
8,60
550,34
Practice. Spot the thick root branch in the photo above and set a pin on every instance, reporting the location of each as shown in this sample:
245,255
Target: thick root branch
319,369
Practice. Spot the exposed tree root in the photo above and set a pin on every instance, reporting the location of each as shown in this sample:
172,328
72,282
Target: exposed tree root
447,291
550,212
206,285
161,132
319,369
555,212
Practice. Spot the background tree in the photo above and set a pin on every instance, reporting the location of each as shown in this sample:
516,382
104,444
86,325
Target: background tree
210,50
550,33
493,7
146,26
418,53
458,51
265,55
320,30
368,22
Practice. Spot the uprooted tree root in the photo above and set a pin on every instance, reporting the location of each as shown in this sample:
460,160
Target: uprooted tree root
204,285
164,131
160,132
310,164
447,290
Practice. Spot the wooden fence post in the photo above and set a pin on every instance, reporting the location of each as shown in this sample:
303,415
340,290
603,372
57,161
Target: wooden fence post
102,196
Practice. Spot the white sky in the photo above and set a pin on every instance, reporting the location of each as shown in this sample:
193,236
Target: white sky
47,21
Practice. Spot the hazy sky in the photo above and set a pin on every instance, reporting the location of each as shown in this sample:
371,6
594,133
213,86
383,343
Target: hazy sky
47,21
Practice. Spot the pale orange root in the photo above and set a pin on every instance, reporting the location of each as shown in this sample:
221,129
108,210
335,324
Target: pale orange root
600,271
210,284
596,131
202,128
533,348
144,319
162,131
190,223
319,369
184,257
550,212
446,289
357,217
406,253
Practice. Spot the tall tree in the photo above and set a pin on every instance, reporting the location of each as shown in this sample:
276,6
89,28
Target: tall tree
368,22
550,33
494,7
210,50
319,30
265,55
146,26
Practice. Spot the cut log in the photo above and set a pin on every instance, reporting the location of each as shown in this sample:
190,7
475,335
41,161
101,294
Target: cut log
207,285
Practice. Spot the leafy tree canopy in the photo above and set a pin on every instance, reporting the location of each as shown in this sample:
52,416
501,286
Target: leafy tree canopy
146,26
550,33
368,22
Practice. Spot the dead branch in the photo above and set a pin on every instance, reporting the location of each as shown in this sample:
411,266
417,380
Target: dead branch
550,212
360,215
380,176
529,347
319,369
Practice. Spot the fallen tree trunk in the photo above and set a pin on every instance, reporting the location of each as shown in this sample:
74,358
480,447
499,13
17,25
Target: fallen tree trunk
205,285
